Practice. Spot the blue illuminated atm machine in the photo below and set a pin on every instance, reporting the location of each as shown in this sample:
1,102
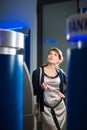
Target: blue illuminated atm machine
16,94
77,72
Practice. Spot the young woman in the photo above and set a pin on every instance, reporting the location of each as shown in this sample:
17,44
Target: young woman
51,91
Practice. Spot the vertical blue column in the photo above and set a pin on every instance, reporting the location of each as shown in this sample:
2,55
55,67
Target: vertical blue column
77,89
11,80
77,73
11,92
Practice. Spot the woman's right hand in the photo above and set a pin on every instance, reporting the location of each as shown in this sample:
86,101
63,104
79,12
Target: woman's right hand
61,94
44,85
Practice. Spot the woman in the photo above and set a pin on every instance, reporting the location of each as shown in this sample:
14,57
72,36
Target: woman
51,92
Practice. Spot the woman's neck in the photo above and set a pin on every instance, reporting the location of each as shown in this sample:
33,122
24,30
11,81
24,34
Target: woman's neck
50,70
51,66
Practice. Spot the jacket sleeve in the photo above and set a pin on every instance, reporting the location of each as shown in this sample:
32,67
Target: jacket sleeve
35,81
64,77
63,84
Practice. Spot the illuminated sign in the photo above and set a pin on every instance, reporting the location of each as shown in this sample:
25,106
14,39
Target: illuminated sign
76,27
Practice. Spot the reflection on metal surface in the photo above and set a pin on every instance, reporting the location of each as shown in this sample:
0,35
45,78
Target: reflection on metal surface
13,39
6,50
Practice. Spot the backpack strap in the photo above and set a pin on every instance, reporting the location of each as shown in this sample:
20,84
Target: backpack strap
40,78
40,97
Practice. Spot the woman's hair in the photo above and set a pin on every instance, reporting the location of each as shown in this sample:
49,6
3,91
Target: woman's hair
58,51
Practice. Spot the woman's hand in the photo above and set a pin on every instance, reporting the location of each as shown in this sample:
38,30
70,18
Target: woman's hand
44,85
61,94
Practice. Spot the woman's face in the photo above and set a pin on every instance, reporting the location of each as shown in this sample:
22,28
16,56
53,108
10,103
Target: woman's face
53,57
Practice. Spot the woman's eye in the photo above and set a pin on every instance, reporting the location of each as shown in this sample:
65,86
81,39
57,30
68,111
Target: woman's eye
50,53
55,55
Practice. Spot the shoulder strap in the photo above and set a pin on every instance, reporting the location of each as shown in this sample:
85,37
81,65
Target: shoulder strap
40,76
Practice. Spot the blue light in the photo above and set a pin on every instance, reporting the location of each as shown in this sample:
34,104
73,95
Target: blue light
50,41
16,28
77,38
13,24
